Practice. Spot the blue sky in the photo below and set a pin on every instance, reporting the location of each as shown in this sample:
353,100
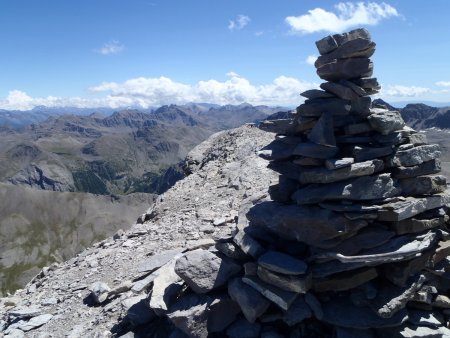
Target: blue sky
115,53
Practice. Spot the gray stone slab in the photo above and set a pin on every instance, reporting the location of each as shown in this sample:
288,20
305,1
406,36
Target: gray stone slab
156,261
353,207
323,132
423,185
323,175
204,271
313,150
366,238
367,83
297,284
369,153
339,90
316,94
280,262
315,108
331,42
395,250
311,225
357,89
251,302
248,244
190,315
346,69
25,312
166,287
385,121
413,225
414,156
410,207
35,322
358,189
425,168
417,139
282,298
143,284
358,47
337,163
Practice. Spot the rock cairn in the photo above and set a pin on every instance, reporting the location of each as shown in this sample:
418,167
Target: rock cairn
352,242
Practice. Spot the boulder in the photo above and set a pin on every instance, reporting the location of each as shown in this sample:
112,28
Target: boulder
204,271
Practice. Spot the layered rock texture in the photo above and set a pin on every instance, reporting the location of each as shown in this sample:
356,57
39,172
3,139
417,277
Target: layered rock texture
351,242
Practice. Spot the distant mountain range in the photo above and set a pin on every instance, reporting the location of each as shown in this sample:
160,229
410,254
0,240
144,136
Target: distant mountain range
123,152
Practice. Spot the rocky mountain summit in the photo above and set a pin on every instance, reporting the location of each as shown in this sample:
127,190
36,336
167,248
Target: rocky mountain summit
350,240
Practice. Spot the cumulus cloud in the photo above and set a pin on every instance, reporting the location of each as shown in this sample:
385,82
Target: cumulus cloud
345,16
149,92
111,47
404,91
311,59
443,83
240,22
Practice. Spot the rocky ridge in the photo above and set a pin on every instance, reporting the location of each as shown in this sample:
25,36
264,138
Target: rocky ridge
204,205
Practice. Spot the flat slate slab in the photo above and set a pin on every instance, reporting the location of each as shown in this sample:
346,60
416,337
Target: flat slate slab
397,249
282,263
311,225
297,284
156,261
346,69
410,207
364,188
282,298
331,42
414,156
315,107
359,47
425,168
323,175
251,302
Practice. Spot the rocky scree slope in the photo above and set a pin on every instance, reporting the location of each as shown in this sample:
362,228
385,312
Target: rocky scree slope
224,170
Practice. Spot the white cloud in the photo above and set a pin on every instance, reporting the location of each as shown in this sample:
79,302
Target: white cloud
240,22
311,59
111,47
346,15
147,92
443,83
404,91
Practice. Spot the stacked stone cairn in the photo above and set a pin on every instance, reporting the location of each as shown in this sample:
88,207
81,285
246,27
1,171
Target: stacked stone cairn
353,241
